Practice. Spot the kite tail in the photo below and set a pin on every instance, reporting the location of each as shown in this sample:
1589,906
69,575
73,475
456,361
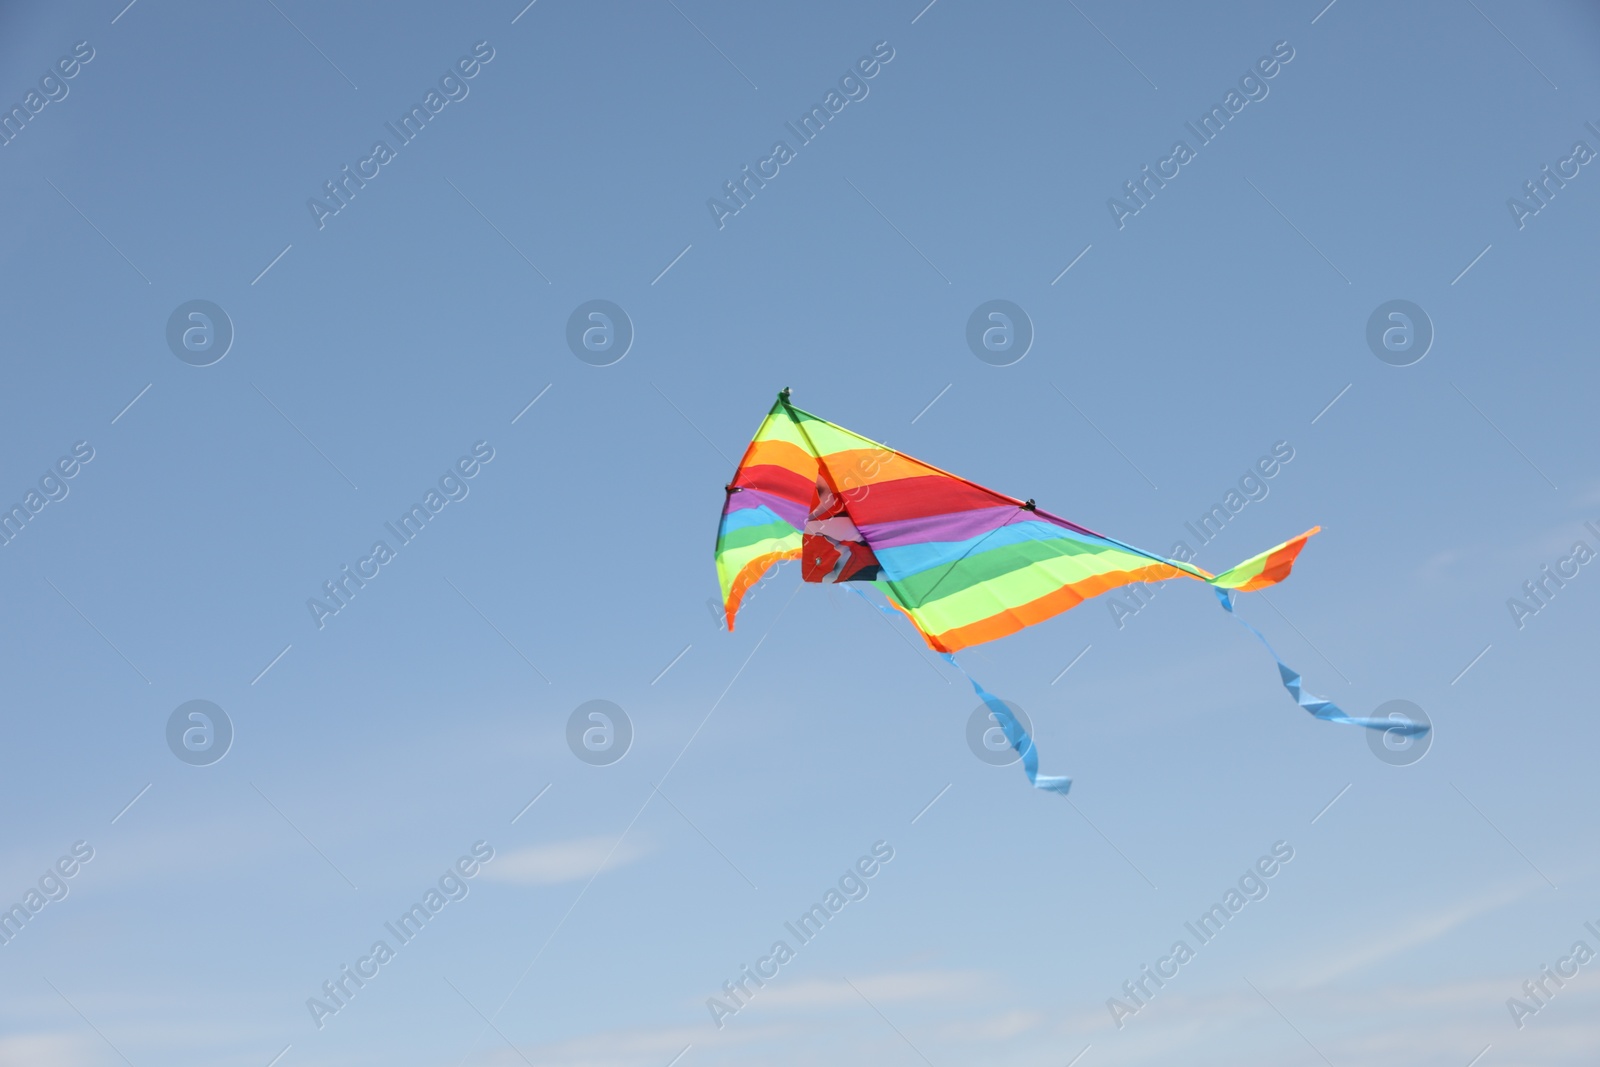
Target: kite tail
1015,734
1014,731
1326,710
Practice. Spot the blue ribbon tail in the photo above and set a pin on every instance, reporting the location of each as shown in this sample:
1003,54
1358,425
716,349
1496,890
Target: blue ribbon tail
1008,722
1326,710
1015,734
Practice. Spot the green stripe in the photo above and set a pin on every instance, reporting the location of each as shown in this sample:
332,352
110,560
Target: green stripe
828,438
778,426
731,562
1250,568
1074,561
998,594
750,535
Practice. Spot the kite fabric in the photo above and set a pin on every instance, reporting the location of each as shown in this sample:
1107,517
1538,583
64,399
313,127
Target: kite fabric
963,563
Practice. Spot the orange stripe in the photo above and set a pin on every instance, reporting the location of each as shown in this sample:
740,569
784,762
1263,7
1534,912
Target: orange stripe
749,575
781,454
1278,564
855,467
1048,606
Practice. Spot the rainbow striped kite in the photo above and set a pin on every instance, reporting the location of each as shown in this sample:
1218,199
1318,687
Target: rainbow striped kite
964,563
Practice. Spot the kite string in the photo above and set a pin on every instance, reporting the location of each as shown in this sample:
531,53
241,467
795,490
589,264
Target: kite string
1015,733
1325,710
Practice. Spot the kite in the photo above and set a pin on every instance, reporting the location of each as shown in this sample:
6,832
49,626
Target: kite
963,563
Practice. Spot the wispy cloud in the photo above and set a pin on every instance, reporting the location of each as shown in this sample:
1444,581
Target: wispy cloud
1451,563
563,861
57,1049
889,988
999,1027
1418,930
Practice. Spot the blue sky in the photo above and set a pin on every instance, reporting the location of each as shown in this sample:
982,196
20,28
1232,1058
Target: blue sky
375,347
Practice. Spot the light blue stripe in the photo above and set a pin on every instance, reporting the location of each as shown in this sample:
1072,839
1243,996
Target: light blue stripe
903,561
756,516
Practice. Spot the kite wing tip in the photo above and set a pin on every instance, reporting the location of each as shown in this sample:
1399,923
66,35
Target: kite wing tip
1268,568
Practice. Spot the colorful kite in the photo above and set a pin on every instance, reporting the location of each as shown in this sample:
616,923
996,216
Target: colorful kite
964,563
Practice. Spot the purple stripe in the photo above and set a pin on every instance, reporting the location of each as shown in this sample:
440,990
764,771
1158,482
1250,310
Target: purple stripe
787,510
952,526
1068,524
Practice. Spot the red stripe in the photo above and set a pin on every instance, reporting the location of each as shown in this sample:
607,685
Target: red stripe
779,481
748,576
915,498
